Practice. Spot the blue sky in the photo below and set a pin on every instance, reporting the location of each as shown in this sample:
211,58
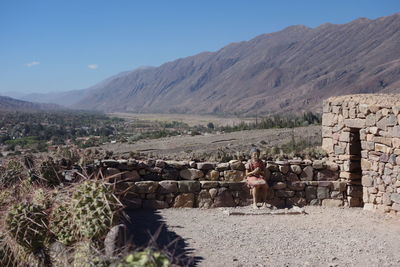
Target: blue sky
60,45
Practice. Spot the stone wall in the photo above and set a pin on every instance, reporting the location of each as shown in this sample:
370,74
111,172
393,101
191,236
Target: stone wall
164,184
361,133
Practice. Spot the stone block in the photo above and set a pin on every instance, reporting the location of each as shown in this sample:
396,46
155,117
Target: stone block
307,174
296,169
222,166
382,123
396,142
291,177
191,174
382,140
160,164
344,137
365,164
395,131
131,175
296,186
113,173
146,187
189,186
236,186
322,192
329,119
167,186
391,120
204,199
170,174
327,175
327,145
184,200
311,192
324,184
284,193
370,120
236,165
337,195
223,199
279,186
339,186
284,169
332,166
272,166
209,184
206,166
212,175
396,207
395,197
110,163
233,175
177,164
331,203
315,202
339,149
354,123
115,240
367,180
318,164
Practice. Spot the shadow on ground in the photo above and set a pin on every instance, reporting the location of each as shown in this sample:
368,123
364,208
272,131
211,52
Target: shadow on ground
148,228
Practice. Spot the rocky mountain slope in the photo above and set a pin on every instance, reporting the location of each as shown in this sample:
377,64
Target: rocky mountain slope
11,104
291,70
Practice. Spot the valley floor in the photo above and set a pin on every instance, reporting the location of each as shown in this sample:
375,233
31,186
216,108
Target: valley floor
186,147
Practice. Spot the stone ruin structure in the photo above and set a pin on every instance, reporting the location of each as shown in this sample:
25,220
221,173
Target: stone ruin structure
361,133
156,184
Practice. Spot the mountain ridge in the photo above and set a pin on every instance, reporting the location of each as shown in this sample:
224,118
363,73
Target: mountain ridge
12,104
291,70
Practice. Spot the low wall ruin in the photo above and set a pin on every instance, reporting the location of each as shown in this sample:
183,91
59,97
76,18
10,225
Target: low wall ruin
159,184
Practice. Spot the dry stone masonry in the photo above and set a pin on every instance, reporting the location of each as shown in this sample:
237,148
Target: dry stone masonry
361,133
157,184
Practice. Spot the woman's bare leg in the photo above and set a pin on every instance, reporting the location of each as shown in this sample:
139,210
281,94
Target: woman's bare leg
254,192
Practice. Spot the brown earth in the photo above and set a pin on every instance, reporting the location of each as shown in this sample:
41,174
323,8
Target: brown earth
202,146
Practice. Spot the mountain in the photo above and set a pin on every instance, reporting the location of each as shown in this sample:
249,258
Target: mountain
287,71
11,104
66,98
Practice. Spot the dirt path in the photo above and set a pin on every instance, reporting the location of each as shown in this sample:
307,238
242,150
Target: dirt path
323,237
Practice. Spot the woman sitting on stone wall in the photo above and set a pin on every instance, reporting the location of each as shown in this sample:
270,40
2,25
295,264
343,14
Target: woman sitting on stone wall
256,179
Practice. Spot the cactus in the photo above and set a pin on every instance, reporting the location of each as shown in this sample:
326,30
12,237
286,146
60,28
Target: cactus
147,258
86,256
11,174
7,256
94,208
49,172
27,224
61,224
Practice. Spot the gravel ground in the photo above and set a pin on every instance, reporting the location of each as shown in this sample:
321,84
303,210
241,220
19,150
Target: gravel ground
322,237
